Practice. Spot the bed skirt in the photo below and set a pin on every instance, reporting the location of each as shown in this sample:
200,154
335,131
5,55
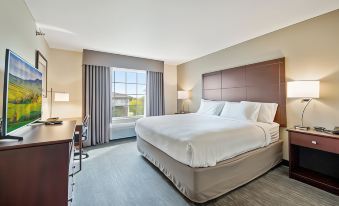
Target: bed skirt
204,184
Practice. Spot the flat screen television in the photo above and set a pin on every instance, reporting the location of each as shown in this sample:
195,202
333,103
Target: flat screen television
22,96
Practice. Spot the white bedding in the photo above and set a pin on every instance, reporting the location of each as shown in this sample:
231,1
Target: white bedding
274,131
202,140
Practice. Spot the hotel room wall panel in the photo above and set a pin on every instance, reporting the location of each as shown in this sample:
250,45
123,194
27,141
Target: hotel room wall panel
283,90
282,72
259,82
212,81
233,94
263,93
262,75
233,77
281,114
212,94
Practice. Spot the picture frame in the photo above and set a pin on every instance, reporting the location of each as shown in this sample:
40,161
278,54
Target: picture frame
41,64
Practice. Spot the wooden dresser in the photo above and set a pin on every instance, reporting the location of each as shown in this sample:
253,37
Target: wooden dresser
314,159
38,170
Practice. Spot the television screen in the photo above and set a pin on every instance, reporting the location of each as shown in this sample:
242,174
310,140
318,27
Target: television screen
22,93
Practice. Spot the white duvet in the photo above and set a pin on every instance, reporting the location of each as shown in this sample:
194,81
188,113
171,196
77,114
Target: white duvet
202,140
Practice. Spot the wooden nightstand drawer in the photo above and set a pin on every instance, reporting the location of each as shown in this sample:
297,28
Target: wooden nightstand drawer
313,158
316,142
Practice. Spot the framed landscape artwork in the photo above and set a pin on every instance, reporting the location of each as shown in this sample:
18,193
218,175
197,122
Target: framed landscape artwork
41,64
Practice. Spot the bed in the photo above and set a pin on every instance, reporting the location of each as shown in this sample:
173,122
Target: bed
206,156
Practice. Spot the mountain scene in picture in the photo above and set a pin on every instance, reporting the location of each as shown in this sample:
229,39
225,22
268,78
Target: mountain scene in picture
24,93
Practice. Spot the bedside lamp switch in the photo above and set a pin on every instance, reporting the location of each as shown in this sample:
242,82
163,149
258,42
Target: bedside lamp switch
314,142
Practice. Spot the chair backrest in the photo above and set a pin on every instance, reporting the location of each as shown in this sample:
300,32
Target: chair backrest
84,132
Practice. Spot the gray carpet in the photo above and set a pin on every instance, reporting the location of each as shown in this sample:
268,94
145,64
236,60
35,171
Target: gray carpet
116,174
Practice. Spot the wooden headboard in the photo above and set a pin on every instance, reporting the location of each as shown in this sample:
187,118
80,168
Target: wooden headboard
259,82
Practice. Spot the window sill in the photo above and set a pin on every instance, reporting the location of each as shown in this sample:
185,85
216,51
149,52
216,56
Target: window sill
125,119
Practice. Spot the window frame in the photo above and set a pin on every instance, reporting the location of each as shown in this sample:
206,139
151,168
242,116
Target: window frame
128,96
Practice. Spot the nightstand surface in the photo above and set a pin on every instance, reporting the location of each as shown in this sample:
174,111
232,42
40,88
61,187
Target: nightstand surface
314,158
313,132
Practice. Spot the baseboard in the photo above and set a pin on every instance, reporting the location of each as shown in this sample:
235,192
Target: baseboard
285,162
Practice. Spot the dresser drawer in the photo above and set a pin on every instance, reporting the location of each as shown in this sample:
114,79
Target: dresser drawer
316,142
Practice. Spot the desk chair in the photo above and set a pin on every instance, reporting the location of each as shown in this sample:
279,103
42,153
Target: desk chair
79,138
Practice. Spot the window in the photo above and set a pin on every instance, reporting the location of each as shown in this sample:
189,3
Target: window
128,93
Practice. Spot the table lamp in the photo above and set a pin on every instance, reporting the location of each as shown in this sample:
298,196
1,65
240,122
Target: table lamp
306,90
183,95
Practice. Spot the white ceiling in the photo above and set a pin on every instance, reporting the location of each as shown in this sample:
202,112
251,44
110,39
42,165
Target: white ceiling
175,31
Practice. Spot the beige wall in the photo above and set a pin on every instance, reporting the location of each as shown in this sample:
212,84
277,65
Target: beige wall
170,88
18,34
64,68
65,75
311,49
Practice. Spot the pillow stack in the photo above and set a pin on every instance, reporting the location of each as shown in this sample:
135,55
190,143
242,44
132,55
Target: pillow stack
210,107
241,111
267,111
244,110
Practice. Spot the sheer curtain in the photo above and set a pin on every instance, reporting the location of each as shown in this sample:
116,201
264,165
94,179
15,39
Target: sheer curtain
98,103
155,94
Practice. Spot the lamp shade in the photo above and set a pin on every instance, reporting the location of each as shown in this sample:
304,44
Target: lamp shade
183,94
61,97
303,89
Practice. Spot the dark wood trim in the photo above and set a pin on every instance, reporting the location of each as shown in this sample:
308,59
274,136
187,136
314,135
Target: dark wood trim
39,135
314,133
311,173
316,180
38,54
38,173
285,163
260,82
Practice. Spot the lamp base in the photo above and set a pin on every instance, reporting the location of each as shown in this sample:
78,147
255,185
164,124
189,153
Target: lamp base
301,127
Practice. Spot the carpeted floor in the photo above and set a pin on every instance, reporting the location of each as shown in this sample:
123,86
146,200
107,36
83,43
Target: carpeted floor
116,175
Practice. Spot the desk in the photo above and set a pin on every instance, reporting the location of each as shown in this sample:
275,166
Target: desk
36,171
78,120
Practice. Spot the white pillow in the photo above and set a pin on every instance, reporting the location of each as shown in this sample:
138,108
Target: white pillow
267,112
210,107
241,111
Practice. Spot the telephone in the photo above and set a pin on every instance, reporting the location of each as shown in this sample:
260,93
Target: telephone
53,119
319,129
335,130
323,129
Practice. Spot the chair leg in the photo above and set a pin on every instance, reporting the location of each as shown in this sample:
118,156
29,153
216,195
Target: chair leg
84,155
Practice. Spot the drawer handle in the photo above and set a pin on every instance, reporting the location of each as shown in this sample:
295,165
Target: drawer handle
314,142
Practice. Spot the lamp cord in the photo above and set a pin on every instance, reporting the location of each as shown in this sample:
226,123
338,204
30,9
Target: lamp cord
302,115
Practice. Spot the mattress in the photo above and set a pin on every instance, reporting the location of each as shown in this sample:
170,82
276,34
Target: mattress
203,184
203,140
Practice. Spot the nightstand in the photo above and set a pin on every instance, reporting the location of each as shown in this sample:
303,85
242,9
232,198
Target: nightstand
314,159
